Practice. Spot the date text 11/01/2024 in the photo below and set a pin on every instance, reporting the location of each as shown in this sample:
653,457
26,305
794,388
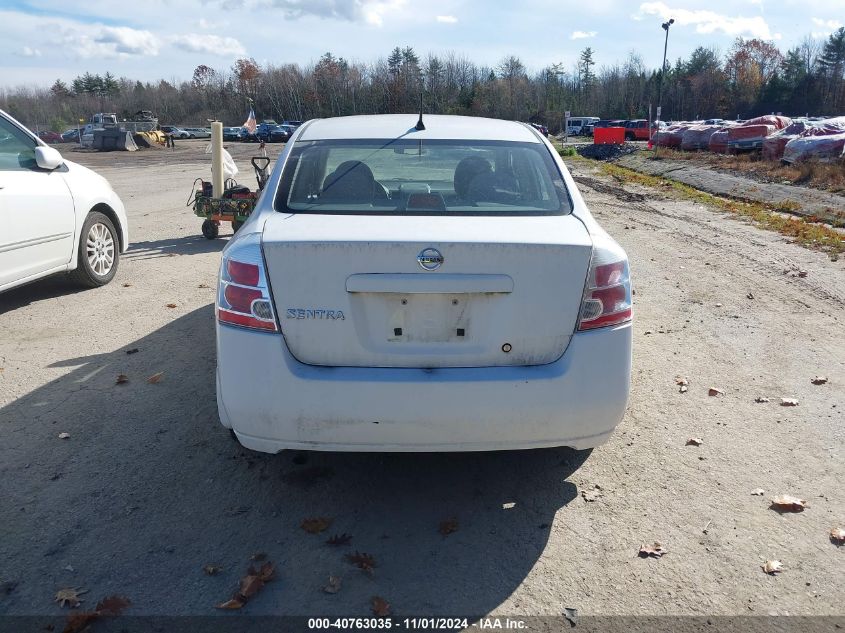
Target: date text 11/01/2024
431,624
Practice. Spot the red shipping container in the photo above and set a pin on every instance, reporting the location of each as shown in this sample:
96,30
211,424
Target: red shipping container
608,135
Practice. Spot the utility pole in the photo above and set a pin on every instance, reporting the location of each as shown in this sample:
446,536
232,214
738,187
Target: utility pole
665,26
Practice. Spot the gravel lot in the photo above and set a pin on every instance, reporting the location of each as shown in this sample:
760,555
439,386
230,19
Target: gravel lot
149,488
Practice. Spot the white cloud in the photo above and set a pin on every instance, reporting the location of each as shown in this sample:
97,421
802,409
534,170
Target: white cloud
831,24
97,40
208,44
447,19
369,11
706,22
829,27
26,51
582,35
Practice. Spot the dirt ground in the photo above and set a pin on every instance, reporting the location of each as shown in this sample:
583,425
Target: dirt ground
149,487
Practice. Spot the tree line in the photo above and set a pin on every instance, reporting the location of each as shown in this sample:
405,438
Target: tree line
754,77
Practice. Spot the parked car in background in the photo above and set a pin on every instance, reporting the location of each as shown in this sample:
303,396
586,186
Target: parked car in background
281,134
174,131
50,137
292,124
233,133
57,216
542,129
578,125
637,130
70,136
378,302
197,132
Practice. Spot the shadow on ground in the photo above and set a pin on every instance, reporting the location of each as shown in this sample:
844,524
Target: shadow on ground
149,488
48,288
192,245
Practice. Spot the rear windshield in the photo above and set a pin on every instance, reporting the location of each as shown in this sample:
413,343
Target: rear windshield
414,177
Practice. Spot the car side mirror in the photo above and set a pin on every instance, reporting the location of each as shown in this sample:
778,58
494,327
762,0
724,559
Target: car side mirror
48,157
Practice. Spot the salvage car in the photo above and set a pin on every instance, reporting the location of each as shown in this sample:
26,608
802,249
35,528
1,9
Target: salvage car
60,216
431,285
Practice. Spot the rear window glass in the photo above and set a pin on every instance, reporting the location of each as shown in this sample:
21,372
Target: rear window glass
414,177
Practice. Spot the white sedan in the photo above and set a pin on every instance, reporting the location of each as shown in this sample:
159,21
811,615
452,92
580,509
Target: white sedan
434,287
57,216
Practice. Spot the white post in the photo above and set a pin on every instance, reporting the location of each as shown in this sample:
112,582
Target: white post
217,159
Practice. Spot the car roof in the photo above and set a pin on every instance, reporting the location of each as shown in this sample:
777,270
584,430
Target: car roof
437,126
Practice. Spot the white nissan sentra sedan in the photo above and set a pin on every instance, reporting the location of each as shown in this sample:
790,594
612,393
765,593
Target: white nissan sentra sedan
436,289
57,216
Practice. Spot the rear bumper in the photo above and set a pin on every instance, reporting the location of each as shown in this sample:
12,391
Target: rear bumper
273,402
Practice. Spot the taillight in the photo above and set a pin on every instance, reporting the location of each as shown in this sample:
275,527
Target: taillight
607,295
243,296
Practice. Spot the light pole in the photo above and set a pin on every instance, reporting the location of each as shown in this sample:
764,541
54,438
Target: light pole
665,27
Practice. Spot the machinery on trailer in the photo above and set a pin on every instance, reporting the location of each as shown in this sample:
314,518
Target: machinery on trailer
235,204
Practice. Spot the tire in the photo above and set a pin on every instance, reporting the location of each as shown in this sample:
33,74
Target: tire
629,137
99,252
210,230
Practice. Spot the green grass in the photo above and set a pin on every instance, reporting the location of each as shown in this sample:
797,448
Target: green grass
806,231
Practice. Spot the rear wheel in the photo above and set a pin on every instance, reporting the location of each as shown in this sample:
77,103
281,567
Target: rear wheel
210,229
629,136
99,252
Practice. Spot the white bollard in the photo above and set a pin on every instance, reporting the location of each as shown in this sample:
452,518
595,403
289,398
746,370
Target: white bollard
217,159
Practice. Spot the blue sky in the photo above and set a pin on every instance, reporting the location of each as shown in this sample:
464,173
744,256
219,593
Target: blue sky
41,40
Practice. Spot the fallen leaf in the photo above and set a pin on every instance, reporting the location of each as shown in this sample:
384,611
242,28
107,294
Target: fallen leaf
749,295
837,535
171,305
787,503
266,572
211,570
758,492
64,436
334,584
69,596
772,567
715,392
122,379
788,402
655,549
694,441
156,378
316,525
127,285
448,526
78,622
681,380
365,562
234,603
649,332
112,605
340,539
761,399
249,585
381,607
203,286
818,380
571,615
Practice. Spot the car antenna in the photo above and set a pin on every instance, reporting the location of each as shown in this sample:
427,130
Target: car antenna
420,125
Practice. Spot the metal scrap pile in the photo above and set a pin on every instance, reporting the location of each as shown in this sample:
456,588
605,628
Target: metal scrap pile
606,152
